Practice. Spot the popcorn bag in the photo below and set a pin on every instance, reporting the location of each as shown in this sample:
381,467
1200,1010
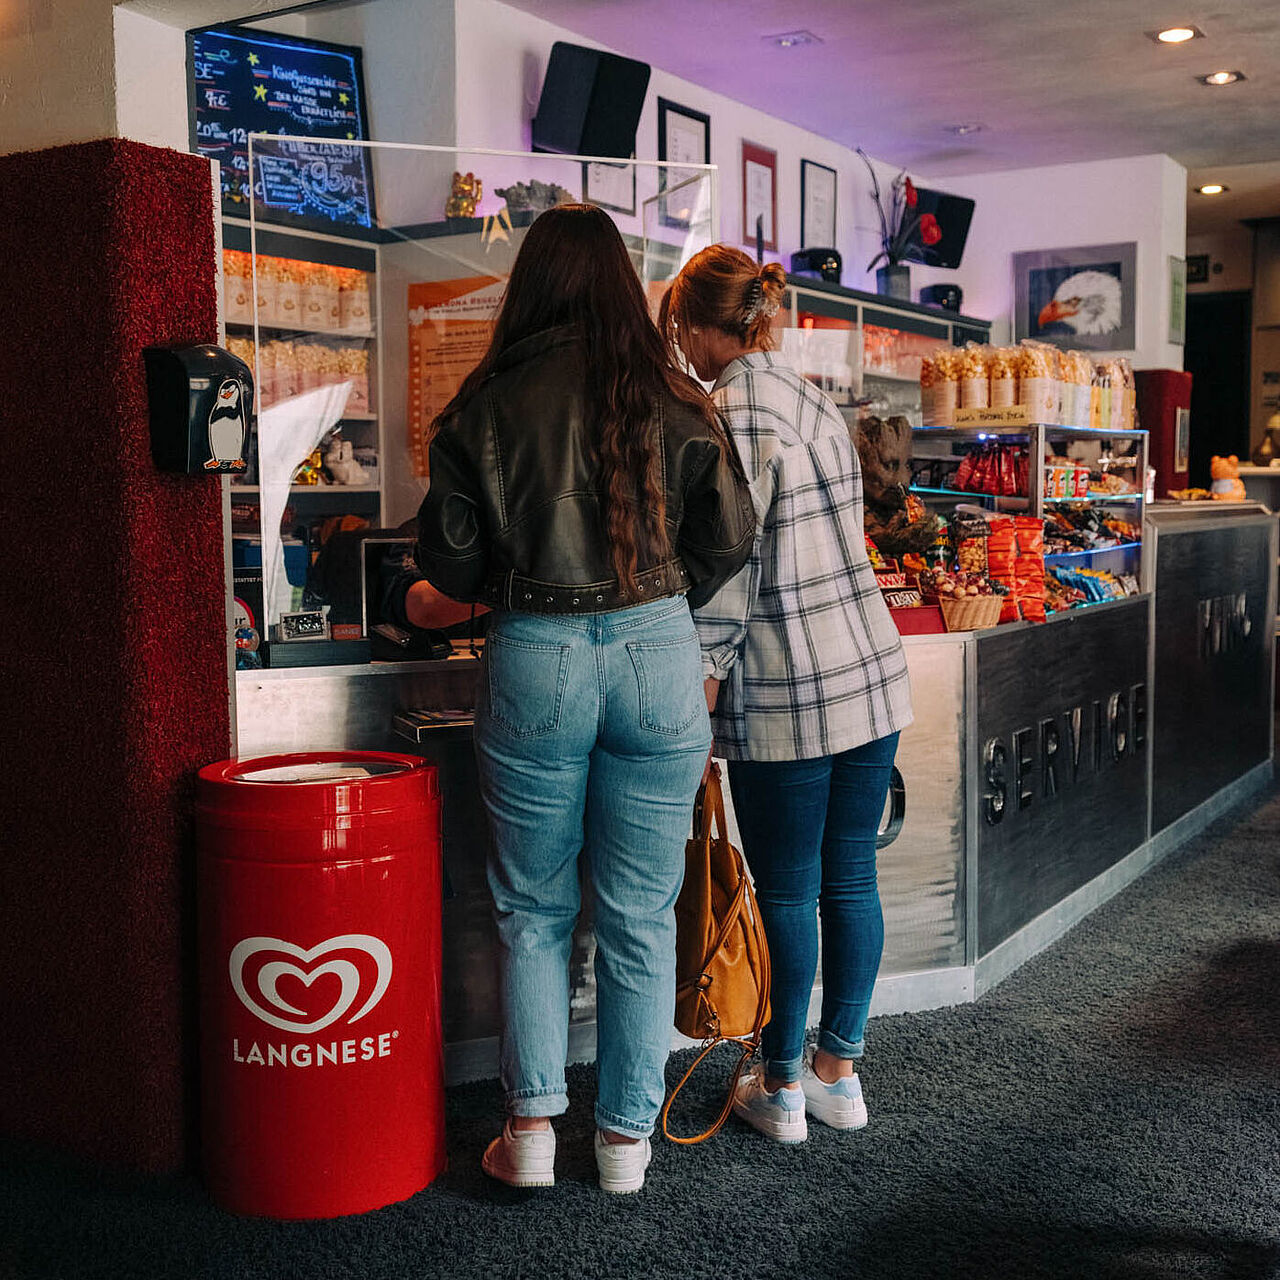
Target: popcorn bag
939,388
266,281
237,288
1003,377
289,293
1038,387
315,298
353,366
975,387
354,311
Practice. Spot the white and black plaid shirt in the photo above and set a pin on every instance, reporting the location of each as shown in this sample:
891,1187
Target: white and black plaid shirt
809,658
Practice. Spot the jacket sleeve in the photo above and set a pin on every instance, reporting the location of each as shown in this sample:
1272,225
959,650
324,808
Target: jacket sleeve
719,521
453,542
721,620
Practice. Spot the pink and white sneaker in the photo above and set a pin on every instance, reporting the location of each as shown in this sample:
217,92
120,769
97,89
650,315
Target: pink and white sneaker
522,1157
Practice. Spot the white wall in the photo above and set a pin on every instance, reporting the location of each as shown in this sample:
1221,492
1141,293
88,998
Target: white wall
57,80
1140,198
151,81
502,55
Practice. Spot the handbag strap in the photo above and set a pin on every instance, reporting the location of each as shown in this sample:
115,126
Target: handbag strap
749,1045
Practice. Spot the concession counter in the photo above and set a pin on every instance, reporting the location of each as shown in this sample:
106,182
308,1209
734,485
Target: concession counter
1048,766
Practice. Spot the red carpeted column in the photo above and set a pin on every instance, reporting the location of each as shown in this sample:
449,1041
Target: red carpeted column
114,667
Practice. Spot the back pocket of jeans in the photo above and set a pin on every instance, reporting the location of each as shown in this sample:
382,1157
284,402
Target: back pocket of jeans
526,684
669,673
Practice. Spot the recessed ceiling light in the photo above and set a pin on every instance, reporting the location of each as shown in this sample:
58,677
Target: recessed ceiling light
963,130
1176,35
793,39
1211,189
1222,77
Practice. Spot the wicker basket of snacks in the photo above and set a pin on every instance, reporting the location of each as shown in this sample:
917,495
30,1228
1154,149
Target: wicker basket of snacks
969,601
970,613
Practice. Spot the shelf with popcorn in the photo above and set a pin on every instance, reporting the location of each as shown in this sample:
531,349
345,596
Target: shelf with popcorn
296,296
865,350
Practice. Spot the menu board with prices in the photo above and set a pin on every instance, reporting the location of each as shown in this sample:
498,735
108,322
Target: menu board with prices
244,82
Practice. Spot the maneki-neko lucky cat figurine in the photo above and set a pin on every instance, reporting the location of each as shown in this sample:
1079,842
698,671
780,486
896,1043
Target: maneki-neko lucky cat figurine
466,193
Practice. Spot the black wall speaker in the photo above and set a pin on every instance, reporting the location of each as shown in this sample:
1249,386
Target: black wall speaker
948,296
590,103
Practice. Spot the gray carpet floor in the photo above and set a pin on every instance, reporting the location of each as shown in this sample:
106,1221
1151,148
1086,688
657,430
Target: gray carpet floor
1111,1110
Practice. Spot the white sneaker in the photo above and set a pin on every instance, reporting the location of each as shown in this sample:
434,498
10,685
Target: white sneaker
622,1164
522,1157
779,1116
839,1105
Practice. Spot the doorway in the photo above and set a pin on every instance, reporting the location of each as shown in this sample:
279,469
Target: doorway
1217,357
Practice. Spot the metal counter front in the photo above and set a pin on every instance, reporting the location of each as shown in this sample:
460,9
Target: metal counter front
1212,567
1047,767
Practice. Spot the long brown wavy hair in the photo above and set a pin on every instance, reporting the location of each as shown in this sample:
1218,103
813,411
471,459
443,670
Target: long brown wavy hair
573,269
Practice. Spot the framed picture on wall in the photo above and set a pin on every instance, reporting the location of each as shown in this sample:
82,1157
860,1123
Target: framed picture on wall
1197,268
1177,300
611,186
1077,298
817,206
759,196
684,137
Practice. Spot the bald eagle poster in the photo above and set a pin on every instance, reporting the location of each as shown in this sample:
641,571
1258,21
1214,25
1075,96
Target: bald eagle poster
1076,298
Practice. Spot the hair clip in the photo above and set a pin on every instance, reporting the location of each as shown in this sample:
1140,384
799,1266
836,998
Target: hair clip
755,301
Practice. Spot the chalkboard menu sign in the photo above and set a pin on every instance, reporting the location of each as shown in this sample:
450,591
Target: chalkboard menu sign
244,81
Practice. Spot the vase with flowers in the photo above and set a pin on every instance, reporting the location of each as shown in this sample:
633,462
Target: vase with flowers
906,234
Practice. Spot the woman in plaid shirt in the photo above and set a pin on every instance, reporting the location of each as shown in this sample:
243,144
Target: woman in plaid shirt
807,683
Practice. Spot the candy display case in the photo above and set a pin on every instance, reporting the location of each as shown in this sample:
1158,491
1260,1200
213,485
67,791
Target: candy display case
1085,484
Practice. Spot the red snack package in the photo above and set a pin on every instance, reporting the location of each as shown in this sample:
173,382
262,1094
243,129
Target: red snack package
1030,530
1002,548
1029,567
964,472
1013,484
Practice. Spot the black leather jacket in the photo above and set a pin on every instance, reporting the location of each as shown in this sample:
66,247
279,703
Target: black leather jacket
514,516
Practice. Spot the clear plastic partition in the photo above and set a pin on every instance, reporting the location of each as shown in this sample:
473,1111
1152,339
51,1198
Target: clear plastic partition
373,275
865,356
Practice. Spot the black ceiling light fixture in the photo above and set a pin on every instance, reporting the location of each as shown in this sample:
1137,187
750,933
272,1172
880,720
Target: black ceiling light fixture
1219,78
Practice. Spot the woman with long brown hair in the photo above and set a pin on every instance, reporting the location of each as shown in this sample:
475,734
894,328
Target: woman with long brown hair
581,486
808,682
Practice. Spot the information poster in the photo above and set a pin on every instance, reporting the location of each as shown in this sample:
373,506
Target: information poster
247,82
450,326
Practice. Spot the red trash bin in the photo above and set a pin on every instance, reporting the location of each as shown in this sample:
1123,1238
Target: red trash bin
322,1060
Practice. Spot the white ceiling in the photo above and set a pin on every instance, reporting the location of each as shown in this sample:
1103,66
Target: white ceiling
1051,81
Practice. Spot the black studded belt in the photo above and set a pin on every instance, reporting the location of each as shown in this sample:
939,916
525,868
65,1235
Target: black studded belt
513,590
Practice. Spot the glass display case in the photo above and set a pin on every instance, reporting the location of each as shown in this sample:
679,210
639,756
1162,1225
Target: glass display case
1086,484
359,339
865,350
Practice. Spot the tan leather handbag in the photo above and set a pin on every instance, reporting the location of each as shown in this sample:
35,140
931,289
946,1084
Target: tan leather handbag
722,958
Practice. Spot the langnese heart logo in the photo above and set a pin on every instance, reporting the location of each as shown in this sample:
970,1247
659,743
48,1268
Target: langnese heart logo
266,977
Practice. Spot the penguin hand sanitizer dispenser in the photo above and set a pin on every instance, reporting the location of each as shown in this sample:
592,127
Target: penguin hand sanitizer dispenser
201,402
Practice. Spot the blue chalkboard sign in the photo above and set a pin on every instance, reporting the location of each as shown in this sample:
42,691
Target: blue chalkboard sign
244,81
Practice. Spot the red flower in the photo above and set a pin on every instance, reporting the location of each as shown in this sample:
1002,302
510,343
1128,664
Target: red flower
930,232
912,197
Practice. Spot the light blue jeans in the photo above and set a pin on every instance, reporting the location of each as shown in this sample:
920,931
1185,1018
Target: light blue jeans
591,736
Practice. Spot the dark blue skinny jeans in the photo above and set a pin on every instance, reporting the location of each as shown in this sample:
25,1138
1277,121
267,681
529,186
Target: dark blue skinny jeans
809,836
